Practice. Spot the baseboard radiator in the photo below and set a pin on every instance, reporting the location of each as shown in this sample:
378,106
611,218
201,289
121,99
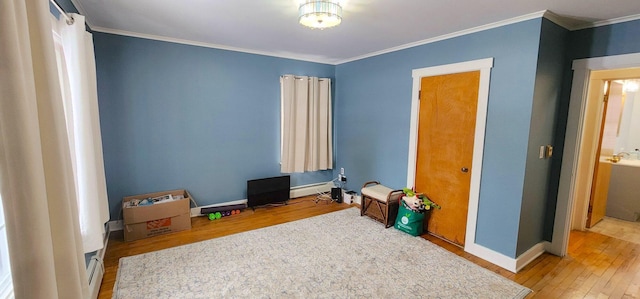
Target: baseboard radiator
95,269
311,189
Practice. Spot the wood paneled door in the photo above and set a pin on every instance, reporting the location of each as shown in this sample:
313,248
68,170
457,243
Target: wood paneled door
611,113
446,130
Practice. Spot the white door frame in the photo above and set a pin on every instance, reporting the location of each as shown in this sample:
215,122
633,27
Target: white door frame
573,138
484,66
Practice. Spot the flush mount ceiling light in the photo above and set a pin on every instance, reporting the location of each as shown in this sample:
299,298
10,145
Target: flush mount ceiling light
320,14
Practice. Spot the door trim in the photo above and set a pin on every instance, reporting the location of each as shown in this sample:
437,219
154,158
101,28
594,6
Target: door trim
484,66
573,139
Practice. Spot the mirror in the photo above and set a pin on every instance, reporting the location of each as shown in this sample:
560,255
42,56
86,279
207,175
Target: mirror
628,133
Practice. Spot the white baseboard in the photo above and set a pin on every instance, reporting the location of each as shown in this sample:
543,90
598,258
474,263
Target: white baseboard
491,256
115,225
530,255
508,263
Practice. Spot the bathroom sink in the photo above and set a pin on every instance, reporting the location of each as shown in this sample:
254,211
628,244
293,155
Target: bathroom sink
627,162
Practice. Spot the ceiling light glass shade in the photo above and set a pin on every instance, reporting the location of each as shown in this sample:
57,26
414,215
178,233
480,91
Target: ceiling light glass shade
320,14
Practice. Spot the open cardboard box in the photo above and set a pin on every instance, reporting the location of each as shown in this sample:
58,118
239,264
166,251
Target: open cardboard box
156,219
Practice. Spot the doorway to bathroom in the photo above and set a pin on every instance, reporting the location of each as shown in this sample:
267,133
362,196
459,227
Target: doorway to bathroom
616,168
613,208
608,160
608,148
582,140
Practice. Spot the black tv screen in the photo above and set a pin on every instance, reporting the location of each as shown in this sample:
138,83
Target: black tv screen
268,190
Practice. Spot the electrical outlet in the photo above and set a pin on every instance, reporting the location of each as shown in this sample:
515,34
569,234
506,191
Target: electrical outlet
342,171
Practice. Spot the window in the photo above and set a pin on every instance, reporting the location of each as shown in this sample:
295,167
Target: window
6,284
306,133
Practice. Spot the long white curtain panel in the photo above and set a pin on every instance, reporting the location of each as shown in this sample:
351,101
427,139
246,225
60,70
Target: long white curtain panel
77,72
36,175
306,129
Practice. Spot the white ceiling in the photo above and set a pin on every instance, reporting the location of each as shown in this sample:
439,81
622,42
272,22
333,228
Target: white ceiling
369,26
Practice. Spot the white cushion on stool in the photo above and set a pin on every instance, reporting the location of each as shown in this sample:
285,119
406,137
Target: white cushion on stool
378,192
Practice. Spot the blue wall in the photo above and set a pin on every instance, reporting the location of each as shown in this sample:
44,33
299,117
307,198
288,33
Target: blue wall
175,116
222,133
546,99
373,98
616,39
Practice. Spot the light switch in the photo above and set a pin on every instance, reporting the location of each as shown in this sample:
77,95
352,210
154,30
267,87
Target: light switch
549,151
543,151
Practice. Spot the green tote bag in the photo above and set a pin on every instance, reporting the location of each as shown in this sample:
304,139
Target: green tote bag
409,221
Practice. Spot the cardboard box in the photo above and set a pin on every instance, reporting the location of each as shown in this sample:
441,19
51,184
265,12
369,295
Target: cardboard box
156,219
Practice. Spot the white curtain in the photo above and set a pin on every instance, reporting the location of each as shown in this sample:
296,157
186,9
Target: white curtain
76,68
36,176
306,124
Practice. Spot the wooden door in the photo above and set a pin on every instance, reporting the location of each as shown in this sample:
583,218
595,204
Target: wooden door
607,141
446,129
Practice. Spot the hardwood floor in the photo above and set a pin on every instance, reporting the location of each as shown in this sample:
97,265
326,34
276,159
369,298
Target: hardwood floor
597,266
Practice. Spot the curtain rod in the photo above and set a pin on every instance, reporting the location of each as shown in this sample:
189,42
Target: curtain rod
69,18
302,77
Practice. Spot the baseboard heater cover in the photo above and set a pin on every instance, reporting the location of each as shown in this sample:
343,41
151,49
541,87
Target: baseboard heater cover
311,189
95,269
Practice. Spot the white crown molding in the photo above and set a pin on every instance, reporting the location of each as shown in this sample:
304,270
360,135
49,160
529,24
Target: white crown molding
207,45
549,15
609,22
305,58
560,21
526,17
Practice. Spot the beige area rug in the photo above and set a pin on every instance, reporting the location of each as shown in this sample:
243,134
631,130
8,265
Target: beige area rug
336,255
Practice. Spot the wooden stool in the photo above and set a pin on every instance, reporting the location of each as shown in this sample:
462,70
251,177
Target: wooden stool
384,200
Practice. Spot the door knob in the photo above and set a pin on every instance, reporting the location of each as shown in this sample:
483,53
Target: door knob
464,169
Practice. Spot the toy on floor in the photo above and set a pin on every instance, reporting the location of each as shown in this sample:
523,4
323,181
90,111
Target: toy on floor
218,215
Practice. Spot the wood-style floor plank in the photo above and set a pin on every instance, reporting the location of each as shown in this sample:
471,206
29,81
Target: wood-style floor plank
597,266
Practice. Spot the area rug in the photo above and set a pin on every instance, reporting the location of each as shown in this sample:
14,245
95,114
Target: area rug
335,255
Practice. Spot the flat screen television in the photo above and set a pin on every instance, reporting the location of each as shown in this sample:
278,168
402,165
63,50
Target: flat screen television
268,190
